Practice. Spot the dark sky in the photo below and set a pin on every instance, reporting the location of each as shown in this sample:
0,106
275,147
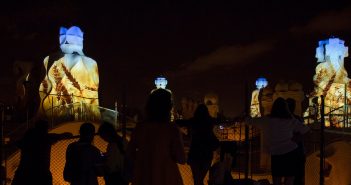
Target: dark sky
203,46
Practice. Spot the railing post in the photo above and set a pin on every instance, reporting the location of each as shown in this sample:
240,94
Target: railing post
116,115
345,108
2,109
247,142
52,111
124,115
321,162
81,110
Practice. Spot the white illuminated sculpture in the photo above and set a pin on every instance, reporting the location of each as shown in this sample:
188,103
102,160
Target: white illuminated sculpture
72,79
255,102
330,54
331,79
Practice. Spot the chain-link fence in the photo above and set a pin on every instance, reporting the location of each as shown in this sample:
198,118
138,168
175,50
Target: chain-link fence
229,132
58,152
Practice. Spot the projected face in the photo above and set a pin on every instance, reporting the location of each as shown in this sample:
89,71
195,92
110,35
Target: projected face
161,82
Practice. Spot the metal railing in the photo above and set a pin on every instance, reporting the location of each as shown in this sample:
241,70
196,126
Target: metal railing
334,116
81,112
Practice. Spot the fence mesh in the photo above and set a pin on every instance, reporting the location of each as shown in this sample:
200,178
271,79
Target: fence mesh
233,132
58,152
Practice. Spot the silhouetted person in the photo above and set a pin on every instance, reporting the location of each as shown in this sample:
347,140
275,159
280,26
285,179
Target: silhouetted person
3,175
300,176
278,130
220,172
83,160
34,166
114,156
203,143
156,145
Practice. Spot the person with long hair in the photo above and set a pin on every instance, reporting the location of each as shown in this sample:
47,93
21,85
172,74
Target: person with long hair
300,176
114,156
278,130
156,145
203,143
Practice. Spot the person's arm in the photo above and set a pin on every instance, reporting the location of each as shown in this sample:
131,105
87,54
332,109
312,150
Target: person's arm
299,127
112,158
99,164
68,169
130,156
132,146
53,138
21,143
177,146
183,123
299,131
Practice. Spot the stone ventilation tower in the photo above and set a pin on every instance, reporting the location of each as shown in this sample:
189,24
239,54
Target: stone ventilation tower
71,83
255,106
330,80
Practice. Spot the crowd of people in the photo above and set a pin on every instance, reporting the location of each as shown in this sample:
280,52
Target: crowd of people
155,149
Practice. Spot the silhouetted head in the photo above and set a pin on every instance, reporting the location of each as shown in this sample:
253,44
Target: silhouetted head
107,132
291,104
159,105
280,109
87,131
201,112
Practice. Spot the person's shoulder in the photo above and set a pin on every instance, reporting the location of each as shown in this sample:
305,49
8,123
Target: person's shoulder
298,117
74,144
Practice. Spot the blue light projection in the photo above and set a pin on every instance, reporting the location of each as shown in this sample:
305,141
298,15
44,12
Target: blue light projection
332,50
261,83
71,40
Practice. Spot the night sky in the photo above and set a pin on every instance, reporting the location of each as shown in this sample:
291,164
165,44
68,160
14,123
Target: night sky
200,47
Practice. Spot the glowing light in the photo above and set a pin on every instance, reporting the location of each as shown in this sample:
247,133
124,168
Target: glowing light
261,83
161,82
